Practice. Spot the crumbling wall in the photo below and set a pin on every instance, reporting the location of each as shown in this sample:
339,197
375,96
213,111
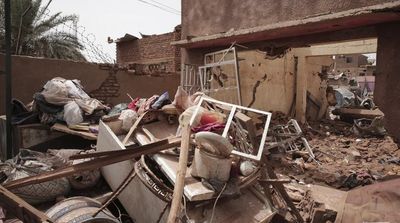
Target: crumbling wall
270,85
30,74
267,84
206,17
387,87
151,54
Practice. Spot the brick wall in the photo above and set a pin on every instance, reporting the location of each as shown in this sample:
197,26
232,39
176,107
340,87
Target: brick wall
29,74
108,89
152,54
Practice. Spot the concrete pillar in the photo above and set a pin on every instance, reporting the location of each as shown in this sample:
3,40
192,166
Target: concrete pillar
301,89
387,82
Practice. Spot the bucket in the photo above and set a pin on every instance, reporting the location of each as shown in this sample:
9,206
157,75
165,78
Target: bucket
209,166
79,209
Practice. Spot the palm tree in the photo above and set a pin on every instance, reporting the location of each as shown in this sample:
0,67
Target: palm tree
34,31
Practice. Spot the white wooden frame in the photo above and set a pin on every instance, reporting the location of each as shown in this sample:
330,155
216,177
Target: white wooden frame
229,122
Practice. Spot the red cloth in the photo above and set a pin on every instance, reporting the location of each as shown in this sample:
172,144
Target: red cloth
132,105
210,127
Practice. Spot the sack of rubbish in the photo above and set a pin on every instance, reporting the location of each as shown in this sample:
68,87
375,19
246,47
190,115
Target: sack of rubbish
72,113
128,117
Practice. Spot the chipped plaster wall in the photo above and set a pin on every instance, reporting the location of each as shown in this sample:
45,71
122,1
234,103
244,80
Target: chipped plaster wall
275,90
207,17
275,78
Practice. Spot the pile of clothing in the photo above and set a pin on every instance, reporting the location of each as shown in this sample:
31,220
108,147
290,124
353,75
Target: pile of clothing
128,113
65,100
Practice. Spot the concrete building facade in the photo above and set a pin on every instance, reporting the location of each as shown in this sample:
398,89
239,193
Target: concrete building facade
268,25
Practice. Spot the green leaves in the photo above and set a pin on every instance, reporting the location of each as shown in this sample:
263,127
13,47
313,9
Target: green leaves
37,33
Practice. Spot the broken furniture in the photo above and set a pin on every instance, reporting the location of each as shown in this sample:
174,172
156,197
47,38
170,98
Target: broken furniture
242,137
290,138
355,113
148,193
21,208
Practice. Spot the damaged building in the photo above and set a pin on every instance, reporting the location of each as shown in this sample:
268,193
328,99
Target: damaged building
249,111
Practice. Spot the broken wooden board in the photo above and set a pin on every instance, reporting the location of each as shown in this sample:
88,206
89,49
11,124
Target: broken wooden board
103,158
357,113
63,128
250,127
20,208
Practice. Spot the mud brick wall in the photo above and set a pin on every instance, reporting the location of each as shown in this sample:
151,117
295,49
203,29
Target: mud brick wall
108,89
29,74
151,55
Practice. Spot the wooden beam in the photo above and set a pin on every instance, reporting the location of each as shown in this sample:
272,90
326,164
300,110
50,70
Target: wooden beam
358,113
105,159
180,177
20,208
349,47
249,126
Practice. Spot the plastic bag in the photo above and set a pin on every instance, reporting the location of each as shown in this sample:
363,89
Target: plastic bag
128,116
72,113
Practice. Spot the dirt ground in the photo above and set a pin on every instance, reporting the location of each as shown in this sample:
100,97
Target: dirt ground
343,160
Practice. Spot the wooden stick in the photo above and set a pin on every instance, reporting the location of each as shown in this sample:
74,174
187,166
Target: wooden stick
20,208
180,176
134,126
129,96
275,181
113,157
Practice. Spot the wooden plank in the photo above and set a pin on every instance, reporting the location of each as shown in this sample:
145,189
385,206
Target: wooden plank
103,160
20,208
63,128
133,128
180,176
249,126
358,113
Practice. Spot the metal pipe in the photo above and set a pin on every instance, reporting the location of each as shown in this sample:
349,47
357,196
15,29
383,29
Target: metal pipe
8,93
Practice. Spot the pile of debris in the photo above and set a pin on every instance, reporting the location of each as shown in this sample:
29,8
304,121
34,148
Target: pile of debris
193,159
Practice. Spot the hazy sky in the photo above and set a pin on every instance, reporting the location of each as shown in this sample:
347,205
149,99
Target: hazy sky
114,18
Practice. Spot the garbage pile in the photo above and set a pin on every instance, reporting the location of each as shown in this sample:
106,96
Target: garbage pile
355,105
65,100
193,158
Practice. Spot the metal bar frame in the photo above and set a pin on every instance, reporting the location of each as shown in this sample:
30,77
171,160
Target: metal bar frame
221,62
